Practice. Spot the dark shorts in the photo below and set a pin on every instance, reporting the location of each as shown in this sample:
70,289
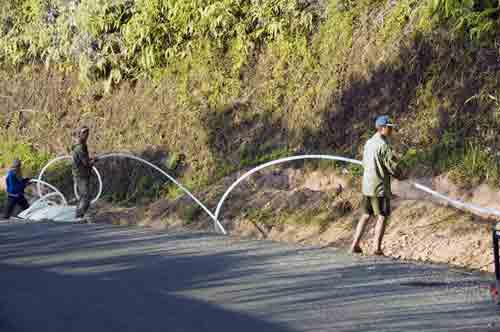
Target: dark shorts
376,206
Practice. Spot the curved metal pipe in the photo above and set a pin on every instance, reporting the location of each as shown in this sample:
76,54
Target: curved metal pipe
214,216
53,161
276,162
168,176
453,202
56,191
458,204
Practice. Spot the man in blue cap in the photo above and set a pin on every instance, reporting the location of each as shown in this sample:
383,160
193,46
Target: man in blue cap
379,165
15,189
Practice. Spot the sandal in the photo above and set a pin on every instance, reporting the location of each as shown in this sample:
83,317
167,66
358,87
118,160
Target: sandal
356,250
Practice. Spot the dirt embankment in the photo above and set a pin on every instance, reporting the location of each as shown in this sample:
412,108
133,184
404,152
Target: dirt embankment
322,208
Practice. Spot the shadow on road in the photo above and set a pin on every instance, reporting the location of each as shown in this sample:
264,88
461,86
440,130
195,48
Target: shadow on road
98,278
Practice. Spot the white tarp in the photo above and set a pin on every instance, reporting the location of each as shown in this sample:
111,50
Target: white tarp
42,210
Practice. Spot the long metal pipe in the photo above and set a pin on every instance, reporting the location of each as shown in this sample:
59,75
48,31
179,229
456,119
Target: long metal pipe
215,216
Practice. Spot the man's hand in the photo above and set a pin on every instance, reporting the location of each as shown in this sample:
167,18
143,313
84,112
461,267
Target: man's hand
403,175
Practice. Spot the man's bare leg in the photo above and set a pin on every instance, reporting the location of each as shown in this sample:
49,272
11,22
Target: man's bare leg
379,234
359,233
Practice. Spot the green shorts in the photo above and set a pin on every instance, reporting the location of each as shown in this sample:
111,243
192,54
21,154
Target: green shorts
376,206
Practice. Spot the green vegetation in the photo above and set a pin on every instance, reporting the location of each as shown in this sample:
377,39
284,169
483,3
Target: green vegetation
469,164
131,39
189,213
320,213
477,19
32,159
232,83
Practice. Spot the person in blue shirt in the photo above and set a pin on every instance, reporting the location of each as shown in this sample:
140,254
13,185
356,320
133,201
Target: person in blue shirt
15,189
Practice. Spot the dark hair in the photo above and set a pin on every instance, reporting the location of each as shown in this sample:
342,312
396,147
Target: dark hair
16,163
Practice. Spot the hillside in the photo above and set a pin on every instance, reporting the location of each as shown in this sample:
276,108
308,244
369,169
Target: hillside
228,82
208,87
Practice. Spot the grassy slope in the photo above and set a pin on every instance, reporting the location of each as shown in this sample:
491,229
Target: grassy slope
315,89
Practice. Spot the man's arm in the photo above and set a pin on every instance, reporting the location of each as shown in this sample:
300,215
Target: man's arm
391,162
86,162
80,158
8,182
75,155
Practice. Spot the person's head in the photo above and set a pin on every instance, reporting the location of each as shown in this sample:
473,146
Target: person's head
384,125
83,134
16,165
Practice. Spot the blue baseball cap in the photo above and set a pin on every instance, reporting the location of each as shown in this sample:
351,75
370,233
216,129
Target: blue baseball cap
384,121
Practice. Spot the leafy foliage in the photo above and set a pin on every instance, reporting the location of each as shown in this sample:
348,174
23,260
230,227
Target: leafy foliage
318,71
32,160
114,40
477,18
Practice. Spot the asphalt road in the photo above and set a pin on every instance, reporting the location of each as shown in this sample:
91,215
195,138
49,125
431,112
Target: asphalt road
58,277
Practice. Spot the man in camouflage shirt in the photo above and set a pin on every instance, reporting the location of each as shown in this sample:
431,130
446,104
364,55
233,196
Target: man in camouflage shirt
379,165
81,169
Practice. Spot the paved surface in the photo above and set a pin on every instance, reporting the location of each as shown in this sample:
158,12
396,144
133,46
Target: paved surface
58,277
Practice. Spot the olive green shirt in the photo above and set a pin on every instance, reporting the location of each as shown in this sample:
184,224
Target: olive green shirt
379,163
81,166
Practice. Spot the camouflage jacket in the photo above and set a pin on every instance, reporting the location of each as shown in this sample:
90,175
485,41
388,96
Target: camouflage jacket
81,166
379,163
